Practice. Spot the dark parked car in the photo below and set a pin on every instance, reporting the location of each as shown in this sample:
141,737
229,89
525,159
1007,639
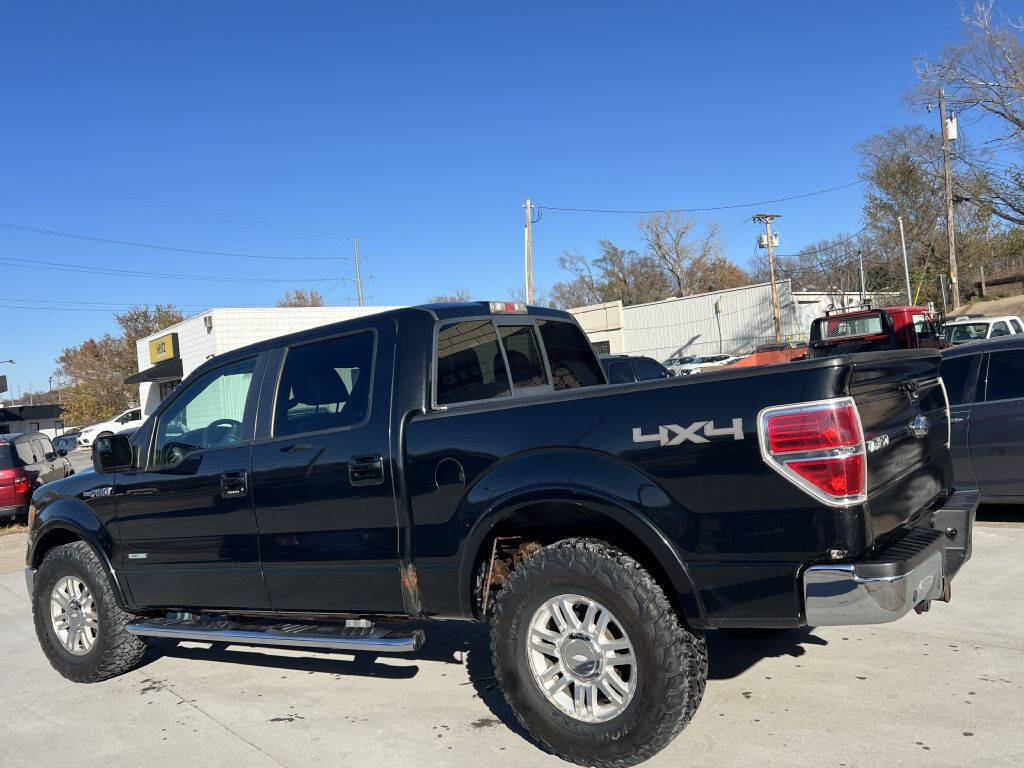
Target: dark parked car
66,443
622,369
27,461
985,384
469,462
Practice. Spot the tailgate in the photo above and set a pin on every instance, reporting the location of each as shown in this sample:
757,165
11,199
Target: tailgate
905,414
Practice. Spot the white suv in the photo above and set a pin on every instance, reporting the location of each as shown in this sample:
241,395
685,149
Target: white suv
130,419
975,327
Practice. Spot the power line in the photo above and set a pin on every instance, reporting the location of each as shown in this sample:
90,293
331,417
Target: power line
157,203
827,247
701,210
59,266
152,246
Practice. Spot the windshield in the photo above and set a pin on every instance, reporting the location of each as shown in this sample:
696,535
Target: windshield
679,360
958,334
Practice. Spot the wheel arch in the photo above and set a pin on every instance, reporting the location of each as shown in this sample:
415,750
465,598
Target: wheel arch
66,521
606,502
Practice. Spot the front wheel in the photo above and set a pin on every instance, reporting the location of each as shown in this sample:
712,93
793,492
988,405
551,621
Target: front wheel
592,657
80,626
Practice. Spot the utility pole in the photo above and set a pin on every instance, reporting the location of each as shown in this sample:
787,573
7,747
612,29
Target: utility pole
767,218
359,278
529,250
906,266
863,293
950,233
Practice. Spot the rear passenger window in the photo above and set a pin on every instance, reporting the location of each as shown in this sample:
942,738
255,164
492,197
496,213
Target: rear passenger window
325,385
1005,375
619,373
25,451
45,446
469,363
524,360
954,372
649,369
1016,326
570,355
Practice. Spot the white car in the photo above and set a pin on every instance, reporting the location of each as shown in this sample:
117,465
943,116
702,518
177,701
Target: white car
130,419
975,327
674,364
702,363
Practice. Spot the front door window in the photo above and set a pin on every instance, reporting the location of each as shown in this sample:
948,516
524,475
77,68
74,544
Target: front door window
209,414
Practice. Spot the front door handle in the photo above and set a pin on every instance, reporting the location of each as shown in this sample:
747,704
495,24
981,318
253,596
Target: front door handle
366,470
234,484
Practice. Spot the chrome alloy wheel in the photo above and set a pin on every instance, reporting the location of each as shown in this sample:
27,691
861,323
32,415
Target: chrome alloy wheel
73,615
582,658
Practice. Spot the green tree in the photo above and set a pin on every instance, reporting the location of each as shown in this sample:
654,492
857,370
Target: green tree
95,370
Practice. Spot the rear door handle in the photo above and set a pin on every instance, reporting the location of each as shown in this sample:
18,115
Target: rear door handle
234,484
366,470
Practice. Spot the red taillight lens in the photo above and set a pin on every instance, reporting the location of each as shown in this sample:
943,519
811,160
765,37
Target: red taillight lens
818,447
837,477
21,485
814,430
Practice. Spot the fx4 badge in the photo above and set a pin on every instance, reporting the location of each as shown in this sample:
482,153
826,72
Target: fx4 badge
673,434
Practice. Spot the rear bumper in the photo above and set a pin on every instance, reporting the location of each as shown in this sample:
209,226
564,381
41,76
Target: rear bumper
18,510
917,568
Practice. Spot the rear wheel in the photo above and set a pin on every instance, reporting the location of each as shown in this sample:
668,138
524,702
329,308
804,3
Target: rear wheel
592,657
80,626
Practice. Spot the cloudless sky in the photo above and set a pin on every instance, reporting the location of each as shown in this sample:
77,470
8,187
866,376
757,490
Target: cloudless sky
419,128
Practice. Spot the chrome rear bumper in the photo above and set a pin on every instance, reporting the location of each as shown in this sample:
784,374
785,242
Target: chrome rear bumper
917,568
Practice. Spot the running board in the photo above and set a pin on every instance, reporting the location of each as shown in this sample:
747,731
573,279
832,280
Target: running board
351,638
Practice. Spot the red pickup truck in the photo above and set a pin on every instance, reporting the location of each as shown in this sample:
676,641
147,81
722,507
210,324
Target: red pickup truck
863,329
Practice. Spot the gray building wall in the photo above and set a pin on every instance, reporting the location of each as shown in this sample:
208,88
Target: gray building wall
721,322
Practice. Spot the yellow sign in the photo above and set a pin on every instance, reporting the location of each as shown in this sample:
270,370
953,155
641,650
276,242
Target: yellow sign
163,348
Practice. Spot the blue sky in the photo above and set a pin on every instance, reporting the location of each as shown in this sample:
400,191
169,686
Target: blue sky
418,128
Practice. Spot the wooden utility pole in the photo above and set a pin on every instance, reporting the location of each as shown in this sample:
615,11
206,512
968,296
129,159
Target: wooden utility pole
950,234
767,218
359,277
529,251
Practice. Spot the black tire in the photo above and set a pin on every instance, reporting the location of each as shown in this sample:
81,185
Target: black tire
672,664
116,650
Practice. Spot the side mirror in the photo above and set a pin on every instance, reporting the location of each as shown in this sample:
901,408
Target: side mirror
111,453
62,451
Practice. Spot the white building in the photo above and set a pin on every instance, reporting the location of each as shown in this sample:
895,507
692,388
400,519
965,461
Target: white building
721,322
166,357
733,321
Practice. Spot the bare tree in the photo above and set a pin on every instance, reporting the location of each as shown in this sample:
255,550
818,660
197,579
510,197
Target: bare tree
985,72
301,298
691,263
458,295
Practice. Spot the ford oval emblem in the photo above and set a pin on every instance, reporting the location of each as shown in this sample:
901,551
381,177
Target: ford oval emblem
919,426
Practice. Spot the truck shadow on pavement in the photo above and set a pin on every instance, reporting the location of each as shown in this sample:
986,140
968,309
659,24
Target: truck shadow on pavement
468,645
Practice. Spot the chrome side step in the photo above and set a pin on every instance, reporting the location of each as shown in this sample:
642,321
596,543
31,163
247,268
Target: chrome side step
349,638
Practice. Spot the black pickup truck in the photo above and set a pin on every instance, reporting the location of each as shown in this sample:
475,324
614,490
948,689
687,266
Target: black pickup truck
468,461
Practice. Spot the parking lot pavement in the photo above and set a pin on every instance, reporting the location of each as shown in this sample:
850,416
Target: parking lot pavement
942,689
80,459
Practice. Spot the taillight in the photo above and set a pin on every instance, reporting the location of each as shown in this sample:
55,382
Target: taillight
818,447
21,484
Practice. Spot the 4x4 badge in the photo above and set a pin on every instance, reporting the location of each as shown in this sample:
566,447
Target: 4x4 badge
673,434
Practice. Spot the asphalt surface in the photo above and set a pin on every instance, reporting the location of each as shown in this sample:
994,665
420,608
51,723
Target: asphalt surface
942,689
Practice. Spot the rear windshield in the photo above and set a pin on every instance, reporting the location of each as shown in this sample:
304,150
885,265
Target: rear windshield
5,456
846,327
958,334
